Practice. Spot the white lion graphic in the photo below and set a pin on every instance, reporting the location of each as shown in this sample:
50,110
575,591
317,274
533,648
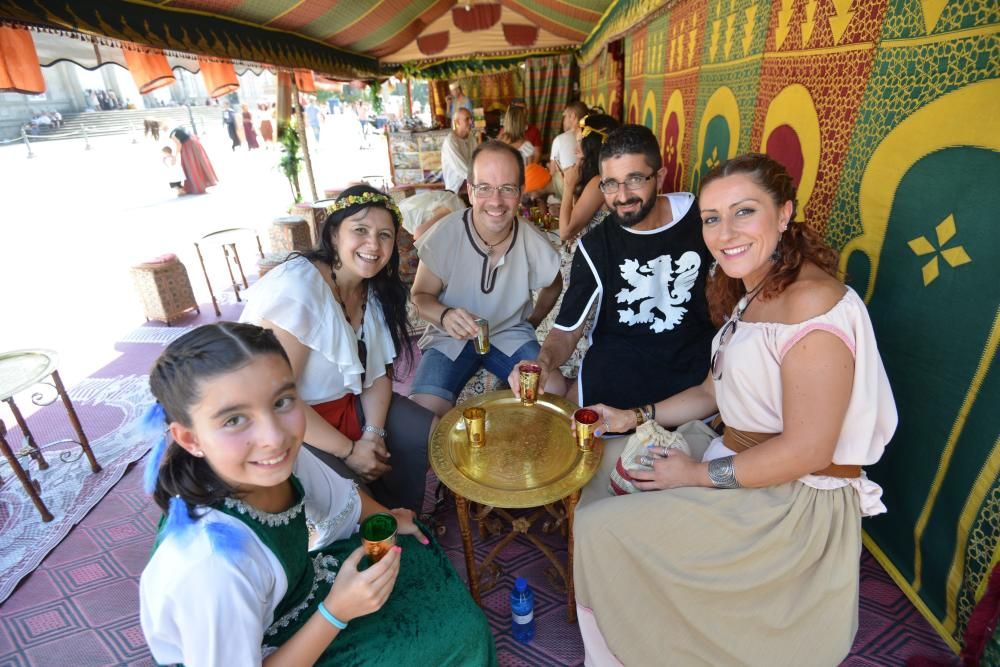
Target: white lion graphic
657,286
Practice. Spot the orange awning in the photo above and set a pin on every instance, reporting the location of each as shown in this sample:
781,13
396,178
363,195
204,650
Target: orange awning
220,77
149,68
305,81
19,68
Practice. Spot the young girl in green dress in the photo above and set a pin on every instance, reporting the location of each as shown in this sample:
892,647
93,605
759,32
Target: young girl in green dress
232,579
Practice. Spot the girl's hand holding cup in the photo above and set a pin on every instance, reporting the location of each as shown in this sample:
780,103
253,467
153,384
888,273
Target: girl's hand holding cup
356,593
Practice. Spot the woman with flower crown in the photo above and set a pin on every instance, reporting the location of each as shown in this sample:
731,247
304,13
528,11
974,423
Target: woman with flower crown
340,313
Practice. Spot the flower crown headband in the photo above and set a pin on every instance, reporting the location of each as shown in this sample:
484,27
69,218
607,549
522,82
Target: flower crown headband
366,198
586,129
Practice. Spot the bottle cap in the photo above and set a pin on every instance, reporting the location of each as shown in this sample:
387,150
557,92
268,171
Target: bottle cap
521,584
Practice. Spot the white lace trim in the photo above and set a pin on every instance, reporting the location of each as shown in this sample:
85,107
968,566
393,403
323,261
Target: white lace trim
328,526
322,565
266,518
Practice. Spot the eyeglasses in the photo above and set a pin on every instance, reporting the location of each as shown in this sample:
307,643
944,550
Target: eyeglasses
728,329
611,186
485,190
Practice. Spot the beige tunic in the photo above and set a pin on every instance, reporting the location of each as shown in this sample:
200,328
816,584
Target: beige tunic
699,576
501,294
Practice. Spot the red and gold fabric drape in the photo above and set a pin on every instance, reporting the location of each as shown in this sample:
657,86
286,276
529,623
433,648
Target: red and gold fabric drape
548,89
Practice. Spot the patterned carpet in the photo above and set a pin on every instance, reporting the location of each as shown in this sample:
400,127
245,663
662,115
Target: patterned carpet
82,601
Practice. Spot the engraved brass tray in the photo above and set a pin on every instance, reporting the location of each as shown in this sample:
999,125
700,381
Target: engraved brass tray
530,457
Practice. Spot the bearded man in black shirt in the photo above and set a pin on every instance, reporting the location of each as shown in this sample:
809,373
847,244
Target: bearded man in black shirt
645,267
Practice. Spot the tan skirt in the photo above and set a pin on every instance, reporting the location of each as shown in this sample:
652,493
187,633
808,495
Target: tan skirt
699,576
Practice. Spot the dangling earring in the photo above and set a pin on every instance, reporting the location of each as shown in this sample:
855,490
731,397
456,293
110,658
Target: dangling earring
713,268
776,255
335,260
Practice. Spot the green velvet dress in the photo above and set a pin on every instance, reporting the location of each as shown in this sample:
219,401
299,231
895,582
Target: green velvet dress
429,618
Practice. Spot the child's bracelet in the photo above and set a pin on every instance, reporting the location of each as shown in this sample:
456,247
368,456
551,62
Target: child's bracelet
334,621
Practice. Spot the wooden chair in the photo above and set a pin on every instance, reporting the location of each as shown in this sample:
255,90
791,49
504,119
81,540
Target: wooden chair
226,240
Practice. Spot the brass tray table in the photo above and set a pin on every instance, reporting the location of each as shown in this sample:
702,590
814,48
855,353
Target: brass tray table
530,459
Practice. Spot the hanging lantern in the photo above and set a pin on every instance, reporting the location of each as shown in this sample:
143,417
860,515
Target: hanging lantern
19,68
220,77
149,68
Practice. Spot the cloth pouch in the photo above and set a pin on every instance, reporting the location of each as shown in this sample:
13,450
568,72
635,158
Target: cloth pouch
649,433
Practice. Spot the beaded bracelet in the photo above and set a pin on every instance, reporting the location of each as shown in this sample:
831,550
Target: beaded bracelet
334,621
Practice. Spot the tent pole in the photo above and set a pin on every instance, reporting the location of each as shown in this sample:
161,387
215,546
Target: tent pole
301,127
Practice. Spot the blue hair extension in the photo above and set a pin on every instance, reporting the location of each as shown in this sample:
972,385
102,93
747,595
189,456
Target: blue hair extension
179,522
153,424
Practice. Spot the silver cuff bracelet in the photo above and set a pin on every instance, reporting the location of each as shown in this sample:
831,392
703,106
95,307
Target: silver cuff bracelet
722,472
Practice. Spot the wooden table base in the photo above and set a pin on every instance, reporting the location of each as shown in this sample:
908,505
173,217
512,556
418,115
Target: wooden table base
32,486
489,520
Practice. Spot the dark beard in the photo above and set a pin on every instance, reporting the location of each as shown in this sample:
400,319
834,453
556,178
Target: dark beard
633,219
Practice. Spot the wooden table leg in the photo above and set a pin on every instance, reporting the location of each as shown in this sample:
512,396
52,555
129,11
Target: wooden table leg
29,487
35,452
571,502
462,507
75,421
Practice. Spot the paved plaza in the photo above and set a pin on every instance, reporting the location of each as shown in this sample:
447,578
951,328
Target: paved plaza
74,221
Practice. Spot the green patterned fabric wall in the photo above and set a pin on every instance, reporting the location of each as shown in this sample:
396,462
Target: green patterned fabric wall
887,113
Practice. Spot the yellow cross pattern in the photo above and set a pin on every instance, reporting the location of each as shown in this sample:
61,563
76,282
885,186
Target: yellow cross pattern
955,256
713,158
669,152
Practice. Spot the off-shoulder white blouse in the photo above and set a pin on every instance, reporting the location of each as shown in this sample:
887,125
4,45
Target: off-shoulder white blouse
749,393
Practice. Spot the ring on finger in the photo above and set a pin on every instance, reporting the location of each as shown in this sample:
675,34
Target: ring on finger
646,461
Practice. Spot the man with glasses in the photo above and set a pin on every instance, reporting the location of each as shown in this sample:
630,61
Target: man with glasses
645,268
480,266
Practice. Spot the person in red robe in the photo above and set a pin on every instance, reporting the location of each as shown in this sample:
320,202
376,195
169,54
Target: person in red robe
198,171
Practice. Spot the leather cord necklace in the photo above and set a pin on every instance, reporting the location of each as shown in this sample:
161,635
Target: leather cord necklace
491,246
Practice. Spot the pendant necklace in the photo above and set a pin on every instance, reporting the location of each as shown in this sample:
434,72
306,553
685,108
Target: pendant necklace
491,246
343,306
360,333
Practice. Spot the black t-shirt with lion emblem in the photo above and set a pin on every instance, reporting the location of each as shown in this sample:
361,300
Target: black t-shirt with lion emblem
652,335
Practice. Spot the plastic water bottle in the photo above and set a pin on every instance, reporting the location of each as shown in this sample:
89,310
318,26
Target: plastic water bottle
522,611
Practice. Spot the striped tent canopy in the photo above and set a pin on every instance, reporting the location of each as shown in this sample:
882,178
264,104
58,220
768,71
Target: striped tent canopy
341,38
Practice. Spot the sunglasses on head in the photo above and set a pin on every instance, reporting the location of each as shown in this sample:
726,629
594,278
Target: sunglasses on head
586,130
